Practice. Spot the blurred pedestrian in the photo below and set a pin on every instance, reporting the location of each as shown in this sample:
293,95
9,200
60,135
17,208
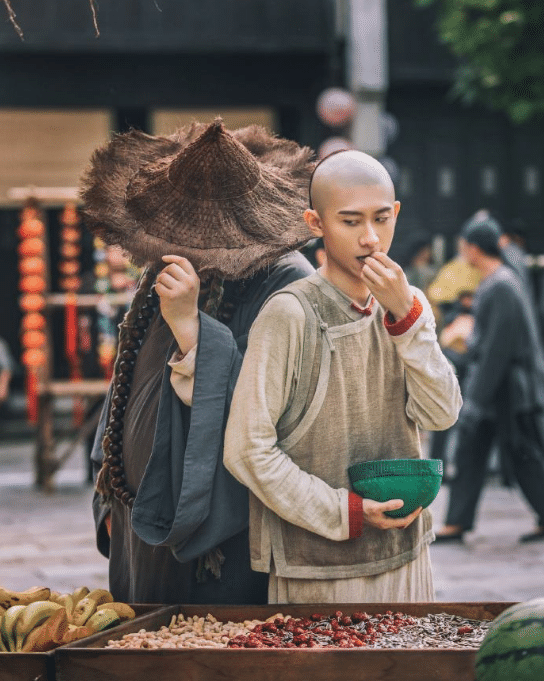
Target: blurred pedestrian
7,366
420,270
513,247
216,218
453,278
503,390
458,325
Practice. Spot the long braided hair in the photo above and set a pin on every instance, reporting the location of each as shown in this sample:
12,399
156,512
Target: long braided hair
211,301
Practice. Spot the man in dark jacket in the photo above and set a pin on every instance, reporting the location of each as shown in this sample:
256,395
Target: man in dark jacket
503,389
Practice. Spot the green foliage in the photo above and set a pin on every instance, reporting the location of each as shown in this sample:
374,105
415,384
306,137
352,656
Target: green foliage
500,46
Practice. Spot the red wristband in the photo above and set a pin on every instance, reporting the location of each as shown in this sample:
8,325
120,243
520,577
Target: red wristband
355,512
400,327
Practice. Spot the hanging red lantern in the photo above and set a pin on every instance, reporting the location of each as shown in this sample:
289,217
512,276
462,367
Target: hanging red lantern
32,302
30,212
70,284
30,247
33,339
32,265
33,321
69,251
33,227
69,215
70,234
69,267
32,283
34,357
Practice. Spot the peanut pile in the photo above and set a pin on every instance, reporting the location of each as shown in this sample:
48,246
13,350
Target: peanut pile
190,632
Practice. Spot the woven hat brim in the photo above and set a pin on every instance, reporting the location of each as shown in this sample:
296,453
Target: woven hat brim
284,164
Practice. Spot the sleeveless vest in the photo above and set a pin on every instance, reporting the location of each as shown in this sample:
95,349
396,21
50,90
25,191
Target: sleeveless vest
348,405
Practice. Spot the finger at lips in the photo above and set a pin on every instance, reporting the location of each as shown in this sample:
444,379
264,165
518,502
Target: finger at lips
384,259
376,265
371,275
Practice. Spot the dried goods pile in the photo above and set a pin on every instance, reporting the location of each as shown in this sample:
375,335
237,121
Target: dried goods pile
190,632
338,630
38,619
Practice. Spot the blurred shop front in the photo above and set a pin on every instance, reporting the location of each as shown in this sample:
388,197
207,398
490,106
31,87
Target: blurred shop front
454,159
155,65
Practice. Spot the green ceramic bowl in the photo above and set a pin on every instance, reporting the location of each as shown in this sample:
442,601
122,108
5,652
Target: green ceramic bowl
415,481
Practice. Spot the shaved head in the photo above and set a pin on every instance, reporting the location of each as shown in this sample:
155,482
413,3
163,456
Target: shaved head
343,170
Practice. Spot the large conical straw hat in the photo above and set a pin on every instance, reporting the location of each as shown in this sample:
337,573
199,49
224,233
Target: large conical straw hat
230,202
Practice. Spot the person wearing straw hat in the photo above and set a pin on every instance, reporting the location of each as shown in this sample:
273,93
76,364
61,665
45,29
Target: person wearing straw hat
215,218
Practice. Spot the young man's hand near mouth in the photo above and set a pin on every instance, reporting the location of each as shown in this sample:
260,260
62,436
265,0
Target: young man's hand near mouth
387,283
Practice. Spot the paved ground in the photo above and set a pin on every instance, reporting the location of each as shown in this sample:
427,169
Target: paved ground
49,540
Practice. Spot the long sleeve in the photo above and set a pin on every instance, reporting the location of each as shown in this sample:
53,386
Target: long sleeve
186,500
434,397
101,508
269,373
182,377
493,346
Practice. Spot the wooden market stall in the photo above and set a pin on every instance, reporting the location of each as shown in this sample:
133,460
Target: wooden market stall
40,306
50,456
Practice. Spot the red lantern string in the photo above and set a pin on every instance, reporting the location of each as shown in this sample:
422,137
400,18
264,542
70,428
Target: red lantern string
69,266
71,333
31,385
70,328
32,283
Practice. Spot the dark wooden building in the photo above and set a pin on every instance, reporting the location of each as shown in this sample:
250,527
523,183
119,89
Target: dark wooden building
171,53
454,160
153,61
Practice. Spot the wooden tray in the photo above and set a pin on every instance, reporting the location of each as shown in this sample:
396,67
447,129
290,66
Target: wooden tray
88,660
41,666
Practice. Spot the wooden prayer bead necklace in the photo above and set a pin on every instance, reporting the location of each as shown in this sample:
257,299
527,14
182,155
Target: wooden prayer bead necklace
124,367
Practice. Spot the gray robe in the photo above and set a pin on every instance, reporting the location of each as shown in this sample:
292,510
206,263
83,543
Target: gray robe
186,502
505,360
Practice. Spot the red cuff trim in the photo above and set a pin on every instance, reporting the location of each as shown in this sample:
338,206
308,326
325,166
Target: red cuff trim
355,508
400,327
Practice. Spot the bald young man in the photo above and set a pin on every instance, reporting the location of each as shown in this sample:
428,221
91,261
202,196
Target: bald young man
341,367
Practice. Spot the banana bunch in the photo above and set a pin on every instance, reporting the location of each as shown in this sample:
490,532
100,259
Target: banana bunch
39,619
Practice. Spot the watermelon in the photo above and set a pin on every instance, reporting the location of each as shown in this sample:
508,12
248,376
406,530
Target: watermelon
513,648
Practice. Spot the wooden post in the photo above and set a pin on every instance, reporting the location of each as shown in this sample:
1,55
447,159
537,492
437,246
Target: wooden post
45,443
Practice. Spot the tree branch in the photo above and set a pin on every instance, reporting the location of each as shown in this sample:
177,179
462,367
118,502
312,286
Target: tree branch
11,15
